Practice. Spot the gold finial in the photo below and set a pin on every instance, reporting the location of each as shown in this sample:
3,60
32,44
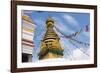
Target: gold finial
49,21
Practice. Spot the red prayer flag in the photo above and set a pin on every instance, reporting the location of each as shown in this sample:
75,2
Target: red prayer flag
86,28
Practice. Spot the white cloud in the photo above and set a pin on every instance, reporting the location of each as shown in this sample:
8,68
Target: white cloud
71,20
63,28
79,55
87,34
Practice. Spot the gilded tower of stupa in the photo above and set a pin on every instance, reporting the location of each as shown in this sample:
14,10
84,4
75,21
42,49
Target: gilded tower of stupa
50,45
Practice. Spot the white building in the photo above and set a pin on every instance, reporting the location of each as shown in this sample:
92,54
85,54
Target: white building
27,38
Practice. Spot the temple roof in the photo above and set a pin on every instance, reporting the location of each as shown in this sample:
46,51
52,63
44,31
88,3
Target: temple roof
27,18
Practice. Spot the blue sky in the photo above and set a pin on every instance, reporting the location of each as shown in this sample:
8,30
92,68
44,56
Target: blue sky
68,23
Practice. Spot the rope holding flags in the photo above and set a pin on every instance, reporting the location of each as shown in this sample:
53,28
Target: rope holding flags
75,34
79,42
71,37
78,47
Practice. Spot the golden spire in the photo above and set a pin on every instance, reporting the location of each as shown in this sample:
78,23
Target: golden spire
50,46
